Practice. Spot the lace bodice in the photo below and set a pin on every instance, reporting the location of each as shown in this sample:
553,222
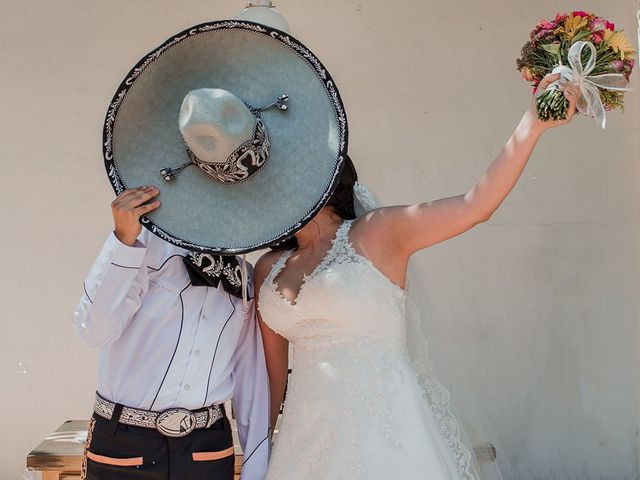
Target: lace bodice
344,298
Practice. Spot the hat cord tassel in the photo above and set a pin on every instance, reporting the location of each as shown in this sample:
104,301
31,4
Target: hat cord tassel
169,174
280,103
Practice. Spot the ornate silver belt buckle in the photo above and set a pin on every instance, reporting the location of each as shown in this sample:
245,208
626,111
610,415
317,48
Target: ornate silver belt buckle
176,422
214,414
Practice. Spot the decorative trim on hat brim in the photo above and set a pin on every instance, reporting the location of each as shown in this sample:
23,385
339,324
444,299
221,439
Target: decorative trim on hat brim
285,38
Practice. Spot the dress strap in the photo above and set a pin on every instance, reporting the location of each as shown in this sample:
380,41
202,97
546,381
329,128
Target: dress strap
342,234
278,266
342,240
340,246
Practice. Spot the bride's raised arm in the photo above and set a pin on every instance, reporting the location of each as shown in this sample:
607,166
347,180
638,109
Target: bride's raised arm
411,228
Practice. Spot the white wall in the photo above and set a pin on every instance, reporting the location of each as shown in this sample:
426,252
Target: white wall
540,303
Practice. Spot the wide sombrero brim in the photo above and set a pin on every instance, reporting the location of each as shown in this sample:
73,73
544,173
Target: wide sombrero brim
257,64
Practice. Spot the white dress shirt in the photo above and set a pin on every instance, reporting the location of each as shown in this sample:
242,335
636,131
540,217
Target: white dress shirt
165,343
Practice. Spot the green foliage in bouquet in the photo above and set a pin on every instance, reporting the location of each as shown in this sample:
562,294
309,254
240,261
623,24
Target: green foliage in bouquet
549,48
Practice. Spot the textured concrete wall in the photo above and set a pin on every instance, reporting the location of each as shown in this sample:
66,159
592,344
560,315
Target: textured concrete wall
536,310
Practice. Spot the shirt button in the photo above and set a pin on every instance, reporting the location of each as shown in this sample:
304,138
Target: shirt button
187,387
197,352
204,317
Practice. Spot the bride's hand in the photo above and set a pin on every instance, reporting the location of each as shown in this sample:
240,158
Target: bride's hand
571,92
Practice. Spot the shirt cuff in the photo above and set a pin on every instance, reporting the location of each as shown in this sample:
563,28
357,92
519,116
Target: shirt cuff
124,255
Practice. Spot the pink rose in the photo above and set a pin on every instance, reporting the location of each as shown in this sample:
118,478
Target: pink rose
617,65
560,18
609,25
580,13
597,24
598,37
546,25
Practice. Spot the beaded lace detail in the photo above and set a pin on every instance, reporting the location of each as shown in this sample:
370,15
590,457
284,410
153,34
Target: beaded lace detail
354,398
340,251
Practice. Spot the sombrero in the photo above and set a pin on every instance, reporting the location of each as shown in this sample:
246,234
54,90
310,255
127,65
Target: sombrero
241,128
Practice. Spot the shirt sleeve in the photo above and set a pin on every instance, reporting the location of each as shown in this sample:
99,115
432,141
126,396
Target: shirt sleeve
113,291
251,399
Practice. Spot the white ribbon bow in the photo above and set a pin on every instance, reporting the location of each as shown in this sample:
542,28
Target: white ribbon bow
589,103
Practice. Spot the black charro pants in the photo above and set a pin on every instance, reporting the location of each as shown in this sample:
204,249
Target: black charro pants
121,452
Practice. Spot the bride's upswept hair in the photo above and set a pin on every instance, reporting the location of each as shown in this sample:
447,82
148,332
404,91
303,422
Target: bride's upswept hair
341,200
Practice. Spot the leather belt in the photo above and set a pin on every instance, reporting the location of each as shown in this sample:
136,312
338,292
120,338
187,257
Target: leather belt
173,422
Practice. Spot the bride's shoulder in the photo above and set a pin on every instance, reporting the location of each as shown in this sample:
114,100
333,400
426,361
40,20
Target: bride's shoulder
264,265
373,223
372,233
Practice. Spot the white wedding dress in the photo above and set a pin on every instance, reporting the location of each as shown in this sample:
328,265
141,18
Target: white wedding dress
355,408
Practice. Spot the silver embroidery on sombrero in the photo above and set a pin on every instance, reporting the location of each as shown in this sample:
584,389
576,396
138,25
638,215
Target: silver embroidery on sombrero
245,161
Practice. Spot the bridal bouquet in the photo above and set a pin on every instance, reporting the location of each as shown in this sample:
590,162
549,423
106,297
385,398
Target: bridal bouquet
586,50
